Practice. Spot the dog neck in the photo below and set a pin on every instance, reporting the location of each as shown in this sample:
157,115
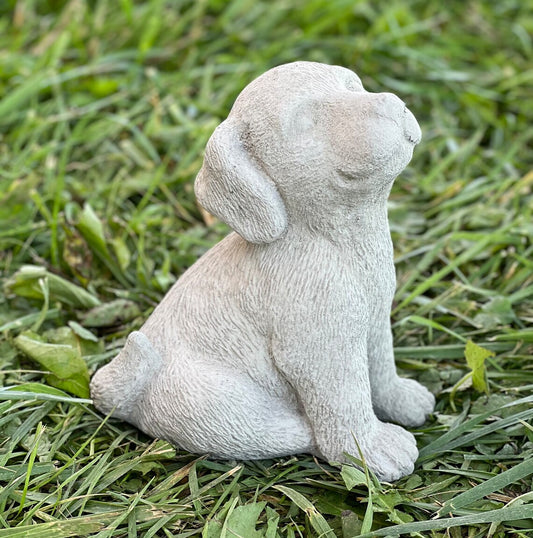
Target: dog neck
345,225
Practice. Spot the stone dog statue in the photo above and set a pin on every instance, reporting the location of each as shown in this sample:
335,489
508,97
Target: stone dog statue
278,341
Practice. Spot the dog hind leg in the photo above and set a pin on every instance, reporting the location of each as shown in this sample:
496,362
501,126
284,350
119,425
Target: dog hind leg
117,387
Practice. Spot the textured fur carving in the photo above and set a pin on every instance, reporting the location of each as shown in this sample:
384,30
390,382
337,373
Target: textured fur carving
278,340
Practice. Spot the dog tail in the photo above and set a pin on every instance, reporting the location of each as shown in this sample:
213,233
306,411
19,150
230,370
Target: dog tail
118,386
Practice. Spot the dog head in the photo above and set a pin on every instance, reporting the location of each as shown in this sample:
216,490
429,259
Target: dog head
301,138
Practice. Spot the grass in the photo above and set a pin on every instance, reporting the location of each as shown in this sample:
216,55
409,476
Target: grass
105,110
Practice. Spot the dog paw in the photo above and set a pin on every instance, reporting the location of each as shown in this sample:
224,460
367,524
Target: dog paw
390,452
405,402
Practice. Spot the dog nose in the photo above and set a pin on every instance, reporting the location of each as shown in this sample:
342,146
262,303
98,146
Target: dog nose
411,128
396,107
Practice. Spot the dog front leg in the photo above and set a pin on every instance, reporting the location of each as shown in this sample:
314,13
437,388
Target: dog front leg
330,377
395,399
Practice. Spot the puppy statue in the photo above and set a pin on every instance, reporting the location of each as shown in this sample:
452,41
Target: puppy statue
278,341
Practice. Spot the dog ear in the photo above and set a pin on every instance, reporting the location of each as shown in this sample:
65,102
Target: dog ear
231,186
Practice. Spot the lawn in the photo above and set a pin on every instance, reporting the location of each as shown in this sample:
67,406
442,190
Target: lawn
105,109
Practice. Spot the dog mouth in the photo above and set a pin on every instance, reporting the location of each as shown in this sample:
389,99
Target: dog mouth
411,129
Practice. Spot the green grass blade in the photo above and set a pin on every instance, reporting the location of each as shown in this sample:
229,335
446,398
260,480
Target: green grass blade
524,512
456,436
316,519
496,483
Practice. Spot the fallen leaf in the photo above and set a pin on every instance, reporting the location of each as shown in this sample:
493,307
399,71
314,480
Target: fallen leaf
475,358
68,370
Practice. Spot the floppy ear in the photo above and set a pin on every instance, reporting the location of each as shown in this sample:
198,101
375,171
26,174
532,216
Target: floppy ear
233,188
